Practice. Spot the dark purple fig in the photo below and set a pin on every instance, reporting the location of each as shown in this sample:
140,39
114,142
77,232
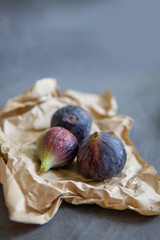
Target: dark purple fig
56,147
101,156
73,118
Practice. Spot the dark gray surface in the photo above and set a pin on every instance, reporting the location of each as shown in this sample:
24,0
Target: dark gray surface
88,46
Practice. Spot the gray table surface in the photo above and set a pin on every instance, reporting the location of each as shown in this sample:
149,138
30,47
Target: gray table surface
89,46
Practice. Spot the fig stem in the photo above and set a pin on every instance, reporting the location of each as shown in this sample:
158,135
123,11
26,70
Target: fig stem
95,135
41,171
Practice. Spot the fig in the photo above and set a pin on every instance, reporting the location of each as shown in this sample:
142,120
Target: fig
75,119
101,156
56,147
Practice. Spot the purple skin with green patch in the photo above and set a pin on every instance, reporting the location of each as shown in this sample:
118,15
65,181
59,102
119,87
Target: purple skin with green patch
56,147
75,119
101,156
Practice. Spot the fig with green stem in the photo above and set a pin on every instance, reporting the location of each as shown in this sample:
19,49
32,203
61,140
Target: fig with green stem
56,147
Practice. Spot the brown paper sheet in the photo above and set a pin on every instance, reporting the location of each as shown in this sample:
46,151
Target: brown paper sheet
31,198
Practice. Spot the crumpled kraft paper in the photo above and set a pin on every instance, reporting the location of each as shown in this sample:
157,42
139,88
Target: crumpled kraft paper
31,198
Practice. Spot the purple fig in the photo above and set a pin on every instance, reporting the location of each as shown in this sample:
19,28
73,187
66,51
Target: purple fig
74,118
101,156
56,147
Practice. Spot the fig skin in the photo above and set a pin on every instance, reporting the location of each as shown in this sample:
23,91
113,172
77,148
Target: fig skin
56,147
75,119
101,156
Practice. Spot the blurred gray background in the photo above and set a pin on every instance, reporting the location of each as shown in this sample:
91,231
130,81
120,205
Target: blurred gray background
89,46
